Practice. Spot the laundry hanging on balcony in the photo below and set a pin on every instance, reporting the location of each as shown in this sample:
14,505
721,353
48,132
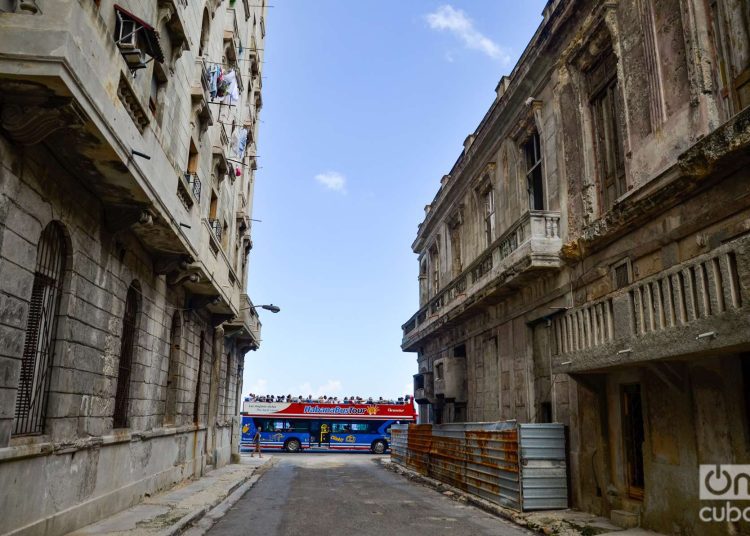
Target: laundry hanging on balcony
232,90
214,74
239,142
136,39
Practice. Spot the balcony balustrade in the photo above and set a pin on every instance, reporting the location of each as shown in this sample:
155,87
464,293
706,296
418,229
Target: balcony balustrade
245,328
195,185
688,309
216,228
533,243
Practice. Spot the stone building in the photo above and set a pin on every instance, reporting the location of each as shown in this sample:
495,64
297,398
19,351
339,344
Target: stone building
126,187
587,258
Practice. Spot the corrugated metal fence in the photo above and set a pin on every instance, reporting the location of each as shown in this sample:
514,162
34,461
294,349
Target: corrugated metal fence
483,459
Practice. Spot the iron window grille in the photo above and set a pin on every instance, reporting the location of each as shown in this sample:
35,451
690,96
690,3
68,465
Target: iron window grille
127,344
197,401
195,185
41,326
216,228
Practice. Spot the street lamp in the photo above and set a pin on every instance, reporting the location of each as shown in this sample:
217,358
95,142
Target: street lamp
270,307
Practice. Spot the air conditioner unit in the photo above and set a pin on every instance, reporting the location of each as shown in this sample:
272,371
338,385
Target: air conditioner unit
135,58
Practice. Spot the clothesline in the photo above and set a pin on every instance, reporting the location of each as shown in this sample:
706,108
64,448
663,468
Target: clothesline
230,64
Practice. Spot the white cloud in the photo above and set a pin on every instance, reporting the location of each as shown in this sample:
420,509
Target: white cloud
446,17
329,388
333,180
258,387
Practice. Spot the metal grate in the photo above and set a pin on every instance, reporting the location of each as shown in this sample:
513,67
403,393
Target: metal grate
38,348
195,184
622,276
216,228
129,326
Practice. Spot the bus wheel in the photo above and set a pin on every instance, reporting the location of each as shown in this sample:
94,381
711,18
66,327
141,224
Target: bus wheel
378,447
293,445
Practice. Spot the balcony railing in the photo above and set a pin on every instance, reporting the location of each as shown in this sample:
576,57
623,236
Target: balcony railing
683,310
245,329
195,185
199,93
535,239
216,228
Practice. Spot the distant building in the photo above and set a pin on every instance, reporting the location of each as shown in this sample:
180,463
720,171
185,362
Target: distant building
126,187
587,259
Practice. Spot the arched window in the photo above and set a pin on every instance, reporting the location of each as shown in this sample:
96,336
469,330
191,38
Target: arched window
41,324
127,346
174,367
197,401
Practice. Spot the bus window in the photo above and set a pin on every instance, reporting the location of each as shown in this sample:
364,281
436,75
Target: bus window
296,425
361,427
341,427
276,426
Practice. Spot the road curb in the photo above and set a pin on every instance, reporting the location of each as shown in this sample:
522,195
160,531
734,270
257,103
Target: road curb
199,523
461,496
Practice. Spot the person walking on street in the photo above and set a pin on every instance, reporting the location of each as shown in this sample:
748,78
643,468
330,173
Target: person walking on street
256,441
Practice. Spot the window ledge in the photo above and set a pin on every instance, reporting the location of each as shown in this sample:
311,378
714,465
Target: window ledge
46,447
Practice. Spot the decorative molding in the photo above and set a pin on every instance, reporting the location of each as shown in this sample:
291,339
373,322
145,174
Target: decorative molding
132,104
530,121
169,14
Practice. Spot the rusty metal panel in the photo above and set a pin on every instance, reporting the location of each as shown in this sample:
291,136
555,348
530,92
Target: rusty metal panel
543,466
518,466
419,444
492,462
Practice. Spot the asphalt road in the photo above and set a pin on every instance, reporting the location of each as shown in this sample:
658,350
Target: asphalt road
310,494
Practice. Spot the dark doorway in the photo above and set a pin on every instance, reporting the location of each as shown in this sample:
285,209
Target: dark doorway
632,423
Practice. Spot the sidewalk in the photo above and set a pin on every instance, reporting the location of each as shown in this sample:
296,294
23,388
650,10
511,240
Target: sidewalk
178,509
557,522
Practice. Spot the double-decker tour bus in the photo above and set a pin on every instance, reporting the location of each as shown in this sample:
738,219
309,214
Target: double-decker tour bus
316,426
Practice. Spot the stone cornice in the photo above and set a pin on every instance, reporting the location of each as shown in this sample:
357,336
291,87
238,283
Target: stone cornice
507,110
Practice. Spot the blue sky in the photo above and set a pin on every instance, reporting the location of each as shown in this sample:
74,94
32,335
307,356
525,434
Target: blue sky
366,105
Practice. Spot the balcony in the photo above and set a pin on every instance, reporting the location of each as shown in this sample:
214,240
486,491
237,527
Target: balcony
81,106
531,245
171,12
216,228
254,57
189,189
200,96
220,153
450,379
424,392
245,328
695,308
233,44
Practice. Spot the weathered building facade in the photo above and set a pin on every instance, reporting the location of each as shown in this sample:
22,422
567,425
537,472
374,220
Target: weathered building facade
587,259
127,160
